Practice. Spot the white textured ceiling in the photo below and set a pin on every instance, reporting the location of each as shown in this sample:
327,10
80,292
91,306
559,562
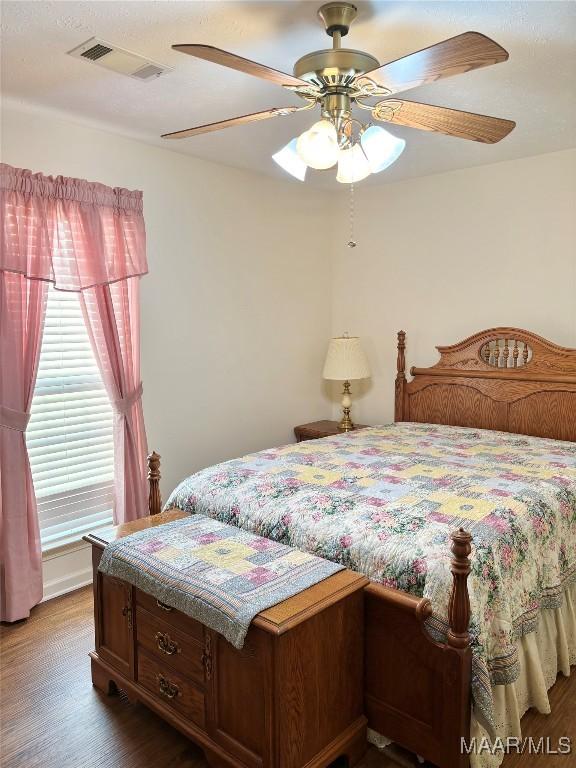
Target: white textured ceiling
536,87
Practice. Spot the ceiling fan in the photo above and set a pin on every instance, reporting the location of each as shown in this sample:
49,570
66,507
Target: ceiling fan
337,78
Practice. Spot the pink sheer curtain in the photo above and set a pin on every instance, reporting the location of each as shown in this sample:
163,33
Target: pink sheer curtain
112,318
22,310
82,237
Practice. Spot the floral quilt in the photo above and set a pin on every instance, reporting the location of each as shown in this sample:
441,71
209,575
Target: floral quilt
384,500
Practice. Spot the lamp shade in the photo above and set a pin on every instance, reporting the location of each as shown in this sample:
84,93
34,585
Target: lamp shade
289,159
353,165
346,360
318,146
381,148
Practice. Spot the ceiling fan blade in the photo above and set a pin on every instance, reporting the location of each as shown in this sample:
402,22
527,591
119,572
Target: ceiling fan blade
452,122
251,118
226,59
459,54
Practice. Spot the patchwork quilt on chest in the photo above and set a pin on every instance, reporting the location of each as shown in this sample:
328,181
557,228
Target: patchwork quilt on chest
216,574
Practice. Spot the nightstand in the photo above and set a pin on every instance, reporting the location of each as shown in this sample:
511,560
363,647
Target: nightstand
318,429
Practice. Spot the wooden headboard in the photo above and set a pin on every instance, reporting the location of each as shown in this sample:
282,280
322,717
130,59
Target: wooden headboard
503,378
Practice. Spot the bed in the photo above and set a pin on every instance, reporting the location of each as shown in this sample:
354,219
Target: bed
421,664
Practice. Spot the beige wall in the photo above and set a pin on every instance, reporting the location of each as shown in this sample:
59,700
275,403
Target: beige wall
236,308
447,255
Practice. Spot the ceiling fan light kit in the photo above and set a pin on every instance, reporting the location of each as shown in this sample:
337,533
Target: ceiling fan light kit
338,79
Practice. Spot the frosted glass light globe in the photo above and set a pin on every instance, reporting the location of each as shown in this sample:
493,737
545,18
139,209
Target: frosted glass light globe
381,148
318,146
352,165
288,159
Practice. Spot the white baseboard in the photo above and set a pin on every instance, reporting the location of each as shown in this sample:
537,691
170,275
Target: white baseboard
66,569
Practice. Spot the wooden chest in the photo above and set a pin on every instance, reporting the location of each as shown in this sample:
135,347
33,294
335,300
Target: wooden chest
291,697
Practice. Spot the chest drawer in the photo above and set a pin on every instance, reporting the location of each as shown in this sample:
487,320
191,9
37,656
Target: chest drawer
170,646
171,615
170,687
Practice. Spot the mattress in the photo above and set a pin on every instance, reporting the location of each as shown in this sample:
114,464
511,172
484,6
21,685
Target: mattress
384,500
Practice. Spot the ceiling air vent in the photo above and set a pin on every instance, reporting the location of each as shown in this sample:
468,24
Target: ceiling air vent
119,60
96,52
148,71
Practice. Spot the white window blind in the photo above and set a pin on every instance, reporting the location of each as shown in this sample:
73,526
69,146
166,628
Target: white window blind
69,435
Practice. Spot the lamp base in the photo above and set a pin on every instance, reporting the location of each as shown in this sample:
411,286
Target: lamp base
346,424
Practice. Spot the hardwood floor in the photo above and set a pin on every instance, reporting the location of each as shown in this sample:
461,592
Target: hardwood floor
52,717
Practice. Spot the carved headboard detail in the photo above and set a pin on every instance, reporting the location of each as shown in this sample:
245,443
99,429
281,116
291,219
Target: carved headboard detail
506,353
503,378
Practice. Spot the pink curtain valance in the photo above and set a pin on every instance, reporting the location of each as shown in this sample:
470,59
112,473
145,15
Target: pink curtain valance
74,233
65,188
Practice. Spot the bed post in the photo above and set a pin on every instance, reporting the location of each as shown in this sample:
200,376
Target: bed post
458,670
459,606
400,378
154,497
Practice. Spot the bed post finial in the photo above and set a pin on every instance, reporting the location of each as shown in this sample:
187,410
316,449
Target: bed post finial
400,378
459,606
154,497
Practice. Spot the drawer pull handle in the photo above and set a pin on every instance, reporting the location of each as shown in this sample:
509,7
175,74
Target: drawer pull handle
166,644
127,613
166,688
163,606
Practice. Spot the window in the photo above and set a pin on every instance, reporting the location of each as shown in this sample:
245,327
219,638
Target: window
69,436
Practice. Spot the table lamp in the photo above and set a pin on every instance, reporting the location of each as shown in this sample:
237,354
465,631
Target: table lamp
346,361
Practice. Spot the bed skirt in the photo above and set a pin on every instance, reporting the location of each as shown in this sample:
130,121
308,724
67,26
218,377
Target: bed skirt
542,654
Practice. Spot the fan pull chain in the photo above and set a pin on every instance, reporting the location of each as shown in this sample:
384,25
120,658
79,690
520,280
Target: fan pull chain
351,242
